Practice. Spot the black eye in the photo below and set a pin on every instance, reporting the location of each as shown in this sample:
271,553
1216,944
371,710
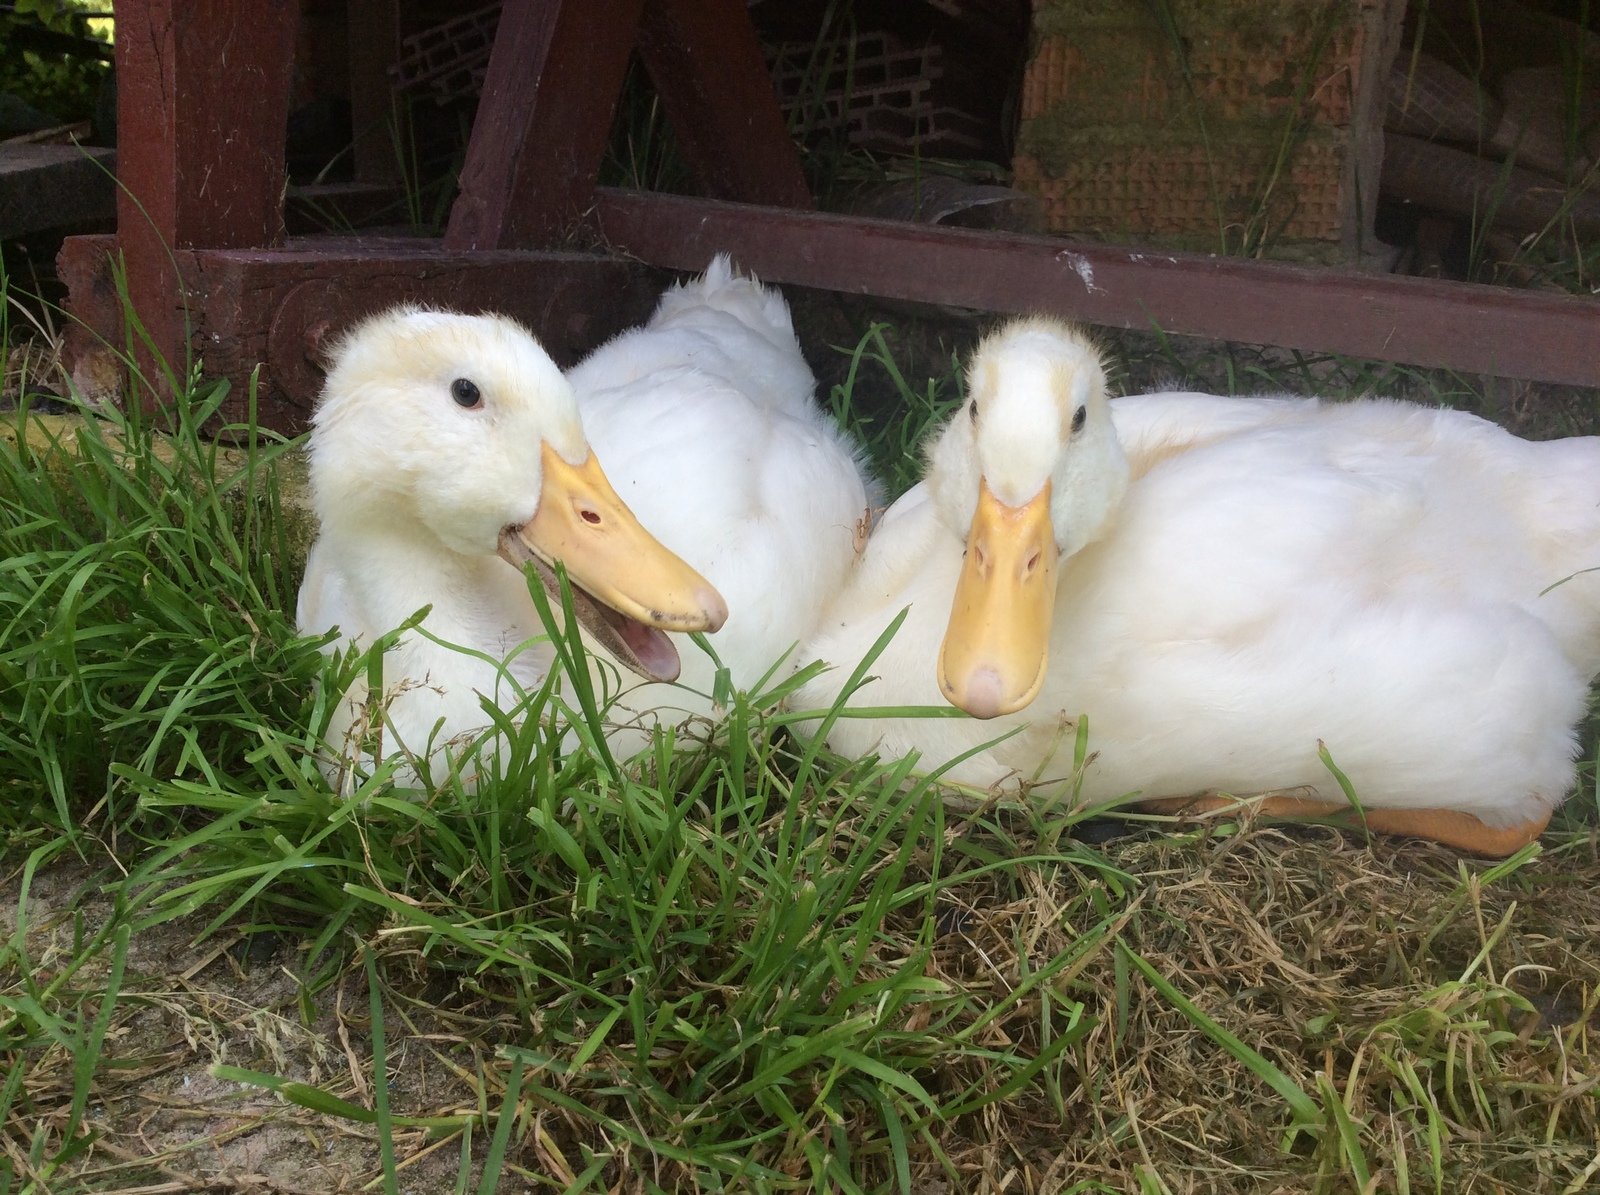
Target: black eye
1078,417
972,410
466,393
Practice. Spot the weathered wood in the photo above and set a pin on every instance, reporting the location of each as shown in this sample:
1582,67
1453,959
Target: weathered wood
281,307
1460,183
1452,325
206,181
717,92
92,333
202,102
374,35
554,77
54,186
340,207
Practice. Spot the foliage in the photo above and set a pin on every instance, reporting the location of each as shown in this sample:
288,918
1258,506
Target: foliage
65,86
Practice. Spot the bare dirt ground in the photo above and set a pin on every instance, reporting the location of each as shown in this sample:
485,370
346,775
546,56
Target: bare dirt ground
165,1124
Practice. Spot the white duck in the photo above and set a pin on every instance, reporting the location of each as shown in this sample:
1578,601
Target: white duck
707,421
447,451
1220,584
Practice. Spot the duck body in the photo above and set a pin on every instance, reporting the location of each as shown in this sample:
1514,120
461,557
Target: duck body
712,402
1272,575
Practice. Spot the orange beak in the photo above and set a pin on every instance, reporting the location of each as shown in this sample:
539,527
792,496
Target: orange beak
632,586
997,644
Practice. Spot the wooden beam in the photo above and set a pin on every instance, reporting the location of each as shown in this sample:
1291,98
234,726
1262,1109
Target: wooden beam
198,164
282,307
551,90
1451,325
373,30
716,89
54,186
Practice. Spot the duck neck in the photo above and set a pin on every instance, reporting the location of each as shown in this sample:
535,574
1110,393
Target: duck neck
394,575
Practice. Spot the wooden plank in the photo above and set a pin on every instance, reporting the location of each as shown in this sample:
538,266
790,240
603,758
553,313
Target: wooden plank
714,84
549,96
206,169
54,186
310,208
202,103
1451,325
282,307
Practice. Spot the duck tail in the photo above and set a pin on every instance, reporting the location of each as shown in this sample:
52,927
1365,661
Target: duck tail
724,288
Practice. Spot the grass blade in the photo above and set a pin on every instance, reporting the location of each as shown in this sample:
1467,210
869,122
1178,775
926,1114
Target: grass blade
1305,1110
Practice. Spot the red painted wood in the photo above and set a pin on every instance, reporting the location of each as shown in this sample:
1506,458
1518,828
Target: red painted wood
202,101
1452,325
551,91
283,306
714,84
374,28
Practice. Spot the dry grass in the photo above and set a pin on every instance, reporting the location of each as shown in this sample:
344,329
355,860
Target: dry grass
1445,1012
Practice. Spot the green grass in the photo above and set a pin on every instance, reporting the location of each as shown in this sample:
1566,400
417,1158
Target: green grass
747,965
721,947
895,426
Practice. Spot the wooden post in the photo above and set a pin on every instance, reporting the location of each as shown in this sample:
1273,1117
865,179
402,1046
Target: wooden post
717,91
554,77
374,35
202,106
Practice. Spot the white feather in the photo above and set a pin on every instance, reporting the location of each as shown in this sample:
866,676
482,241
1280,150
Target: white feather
1403,584
707,423
704,421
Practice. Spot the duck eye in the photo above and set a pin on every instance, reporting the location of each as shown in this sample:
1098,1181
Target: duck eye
466,393
972,410
1078,417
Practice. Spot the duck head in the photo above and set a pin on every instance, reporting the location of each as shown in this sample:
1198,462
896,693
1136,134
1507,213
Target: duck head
460,431
1029,472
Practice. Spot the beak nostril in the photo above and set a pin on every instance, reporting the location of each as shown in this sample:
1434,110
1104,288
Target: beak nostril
1033,563
592,517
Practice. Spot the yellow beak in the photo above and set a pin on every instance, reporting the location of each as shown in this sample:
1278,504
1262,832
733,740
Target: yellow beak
584,524
998,641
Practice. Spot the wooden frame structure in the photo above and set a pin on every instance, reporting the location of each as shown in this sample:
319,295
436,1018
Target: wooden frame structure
208,265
